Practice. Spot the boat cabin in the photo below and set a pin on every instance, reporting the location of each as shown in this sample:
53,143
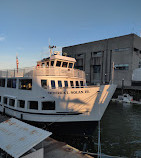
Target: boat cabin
57,60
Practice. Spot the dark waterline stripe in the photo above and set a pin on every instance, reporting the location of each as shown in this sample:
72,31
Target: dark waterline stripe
59,113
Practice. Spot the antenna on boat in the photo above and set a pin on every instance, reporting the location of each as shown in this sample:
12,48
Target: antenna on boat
51,47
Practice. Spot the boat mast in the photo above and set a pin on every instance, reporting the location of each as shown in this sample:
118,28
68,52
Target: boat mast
51,47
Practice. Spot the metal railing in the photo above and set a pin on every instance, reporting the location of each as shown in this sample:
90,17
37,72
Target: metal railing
14,73
39,71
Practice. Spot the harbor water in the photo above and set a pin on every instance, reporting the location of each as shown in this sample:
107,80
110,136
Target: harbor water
120,132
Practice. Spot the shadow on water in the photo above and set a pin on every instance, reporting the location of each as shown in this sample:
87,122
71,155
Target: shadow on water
120,132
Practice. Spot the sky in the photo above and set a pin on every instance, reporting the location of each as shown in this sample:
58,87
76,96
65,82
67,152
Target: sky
27,27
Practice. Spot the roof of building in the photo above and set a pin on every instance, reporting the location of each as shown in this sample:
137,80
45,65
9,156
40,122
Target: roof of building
76,45
17,137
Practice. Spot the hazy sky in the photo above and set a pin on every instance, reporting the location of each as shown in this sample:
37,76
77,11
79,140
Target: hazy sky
27,26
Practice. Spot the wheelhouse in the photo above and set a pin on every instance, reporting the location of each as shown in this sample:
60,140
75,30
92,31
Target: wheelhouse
57,61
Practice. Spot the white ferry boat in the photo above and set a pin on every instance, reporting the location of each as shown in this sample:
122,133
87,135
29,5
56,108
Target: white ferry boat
54,93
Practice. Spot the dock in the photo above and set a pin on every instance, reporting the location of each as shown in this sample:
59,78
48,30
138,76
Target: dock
53,148
56,149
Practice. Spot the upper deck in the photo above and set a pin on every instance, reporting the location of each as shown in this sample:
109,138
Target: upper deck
55,65
43,71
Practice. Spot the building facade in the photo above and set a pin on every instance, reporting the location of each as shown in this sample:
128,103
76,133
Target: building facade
97,58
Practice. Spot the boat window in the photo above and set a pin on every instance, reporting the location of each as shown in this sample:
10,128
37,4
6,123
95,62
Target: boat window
2,82
5,100
48,64
43,64
12,102
21,104
25,84
52,63
11,83
52,83
48,105
44,83
58,63
82,84
66,83
0,98
59,83
65,64
77,84
72,84
33,105
70,65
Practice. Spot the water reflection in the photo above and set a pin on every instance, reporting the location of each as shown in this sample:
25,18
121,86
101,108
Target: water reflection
120,132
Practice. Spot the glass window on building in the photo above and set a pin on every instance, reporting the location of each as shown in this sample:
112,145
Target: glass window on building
58,64
48,105
121,67
44,83
60,84
79,67
65,64
5,100
2,82
96,73
98,54
12,102
33,105
80,55
66,83
25,84
21,103
96,68
53,84
121,49
11,83
80,62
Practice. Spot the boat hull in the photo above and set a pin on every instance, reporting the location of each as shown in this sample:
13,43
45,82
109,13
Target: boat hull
73,128
77,110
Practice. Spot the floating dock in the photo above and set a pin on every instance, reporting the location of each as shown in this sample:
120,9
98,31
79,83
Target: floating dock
131,102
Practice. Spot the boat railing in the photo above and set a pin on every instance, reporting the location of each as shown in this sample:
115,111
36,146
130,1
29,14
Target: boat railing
10,73
42,71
